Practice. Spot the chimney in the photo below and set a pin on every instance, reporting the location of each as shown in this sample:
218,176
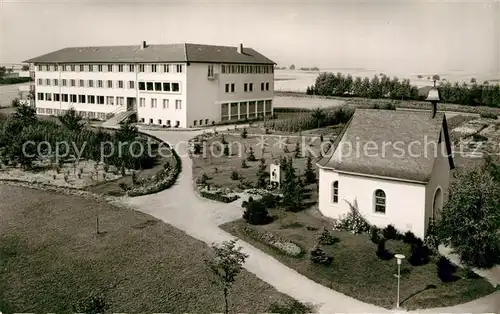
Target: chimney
143,45
240,49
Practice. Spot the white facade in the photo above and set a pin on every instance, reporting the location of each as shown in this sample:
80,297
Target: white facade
408,205
175,94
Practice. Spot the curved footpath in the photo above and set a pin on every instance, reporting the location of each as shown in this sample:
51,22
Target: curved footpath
180,207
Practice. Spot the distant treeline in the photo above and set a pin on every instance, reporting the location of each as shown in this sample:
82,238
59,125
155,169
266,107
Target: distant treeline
330,84
292,67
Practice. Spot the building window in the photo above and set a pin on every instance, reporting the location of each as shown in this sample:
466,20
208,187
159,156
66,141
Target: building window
91,67
47,82
210,70
120,68
206,121
179,68
99,83
232,87
149,85
64,68
82,68
110,68
131,84
153,103
72,83
56,82
335,192
57,97
245,87
142,86
261,86
250,87
91,99
380,201
72,68
91,83
110,100
175,87
72,98
81,99
120,84
131,68
39,68
99,68
166,68
120,101
178,104
150,121
153,67
227,88
165,103
110,84
81,83
166,87
194,122
64,97
64,82
267,86
158,86
100,100
141,67
177,123
40,82
40,96
142,102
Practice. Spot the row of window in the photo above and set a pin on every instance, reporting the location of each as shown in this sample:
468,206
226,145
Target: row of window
379,198
161,68
246,110
168,123
246,69
159,86
103,100
247,87
143,86
165,103
84,114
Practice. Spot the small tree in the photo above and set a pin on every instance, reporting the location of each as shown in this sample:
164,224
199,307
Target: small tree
297,150
25,67
262,174
470,220
225,264
256,213
244,133
291,187
251,155
244,164
71,120
226,150
235,175
309,174
292,67
318,115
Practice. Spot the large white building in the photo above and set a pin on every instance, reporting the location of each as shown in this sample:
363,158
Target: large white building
394,166
178,85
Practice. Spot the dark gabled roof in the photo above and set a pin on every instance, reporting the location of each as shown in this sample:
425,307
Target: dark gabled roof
384,128
154,53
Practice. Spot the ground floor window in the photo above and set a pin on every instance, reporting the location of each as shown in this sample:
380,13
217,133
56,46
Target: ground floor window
150,121
159,121
177,123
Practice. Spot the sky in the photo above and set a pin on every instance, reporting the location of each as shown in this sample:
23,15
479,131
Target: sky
394,36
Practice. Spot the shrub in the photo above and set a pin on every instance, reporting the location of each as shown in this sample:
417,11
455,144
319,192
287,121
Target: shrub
445,270
123,186
382,252
326,238
409,237
488,115
226,150
218,195
390,233
235,175
318,256
256,213
251,155
419,254
203,179
479,138
244,164
353,222
293,307
273,240
244,133
375,235
270,200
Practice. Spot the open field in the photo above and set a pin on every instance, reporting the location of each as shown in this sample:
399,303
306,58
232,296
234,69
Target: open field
356,270
8,93
51,257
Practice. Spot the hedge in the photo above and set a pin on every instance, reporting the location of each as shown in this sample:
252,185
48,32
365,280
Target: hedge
14,80
281,245
218,195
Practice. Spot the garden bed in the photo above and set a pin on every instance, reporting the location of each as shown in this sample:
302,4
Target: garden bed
356,270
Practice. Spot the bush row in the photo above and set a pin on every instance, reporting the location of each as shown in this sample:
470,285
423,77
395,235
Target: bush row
169,178
273,240
218,195
14,80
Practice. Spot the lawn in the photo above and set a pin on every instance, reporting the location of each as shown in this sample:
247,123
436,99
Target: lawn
51,257
219,167
357,271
